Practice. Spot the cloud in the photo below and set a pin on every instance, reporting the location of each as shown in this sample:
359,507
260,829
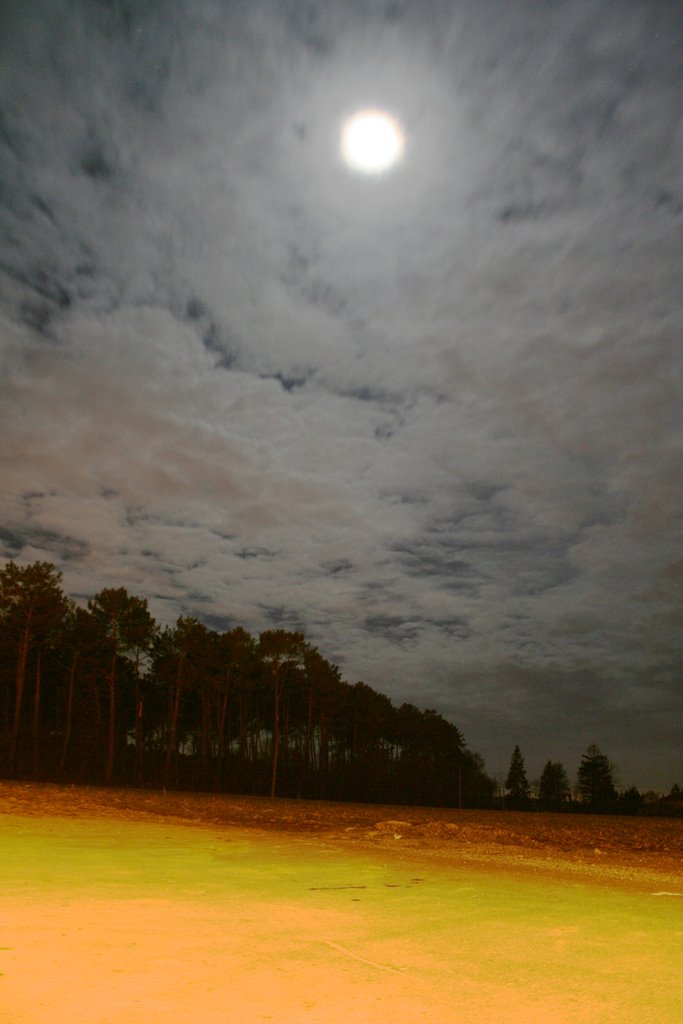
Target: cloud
433,421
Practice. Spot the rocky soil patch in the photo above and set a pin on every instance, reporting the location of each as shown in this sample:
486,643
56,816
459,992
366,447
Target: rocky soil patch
609,847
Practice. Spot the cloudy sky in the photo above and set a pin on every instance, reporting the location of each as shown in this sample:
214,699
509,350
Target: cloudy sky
430,418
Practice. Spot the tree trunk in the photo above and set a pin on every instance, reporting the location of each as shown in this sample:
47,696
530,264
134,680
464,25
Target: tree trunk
243,713
69,712
139,709
222,750
206,738
36,721
111,742
324,744
309,730
172,745
276,735
19,693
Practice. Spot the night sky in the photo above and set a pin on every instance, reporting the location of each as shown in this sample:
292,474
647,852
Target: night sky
430,418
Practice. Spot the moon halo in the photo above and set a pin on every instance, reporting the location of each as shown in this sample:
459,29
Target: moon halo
372,141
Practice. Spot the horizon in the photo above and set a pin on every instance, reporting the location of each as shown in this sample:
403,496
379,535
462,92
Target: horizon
497,776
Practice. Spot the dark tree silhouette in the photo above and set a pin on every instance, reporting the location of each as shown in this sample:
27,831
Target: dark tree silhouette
101,693
123,626
595,781
517,783
630,801
183,654
32,607
281,651
554,790
76,638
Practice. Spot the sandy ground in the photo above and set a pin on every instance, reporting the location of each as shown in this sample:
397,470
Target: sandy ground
70,957
609,848
106,963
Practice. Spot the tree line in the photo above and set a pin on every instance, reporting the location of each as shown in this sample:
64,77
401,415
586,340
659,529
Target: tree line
595,787
105,695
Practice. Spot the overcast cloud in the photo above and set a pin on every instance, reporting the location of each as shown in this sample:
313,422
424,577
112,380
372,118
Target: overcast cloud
432,420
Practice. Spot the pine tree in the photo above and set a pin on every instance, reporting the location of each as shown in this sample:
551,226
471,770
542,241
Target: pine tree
517,783
32,608
595,780
122,625
553,789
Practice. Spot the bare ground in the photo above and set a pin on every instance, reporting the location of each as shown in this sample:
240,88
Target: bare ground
608,847
66,958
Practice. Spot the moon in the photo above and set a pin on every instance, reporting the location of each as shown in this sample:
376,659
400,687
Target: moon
372,141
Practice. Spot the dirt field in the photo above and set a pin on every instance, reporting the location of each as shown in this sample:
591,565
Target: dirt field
605,847
123,907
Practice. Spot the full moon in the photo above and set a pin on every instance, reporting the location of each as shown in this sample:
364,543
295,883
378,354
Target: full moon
372,141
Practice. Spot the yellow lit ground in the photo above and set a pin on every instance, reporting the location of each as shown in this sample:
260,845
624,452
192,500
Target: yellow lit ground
138,908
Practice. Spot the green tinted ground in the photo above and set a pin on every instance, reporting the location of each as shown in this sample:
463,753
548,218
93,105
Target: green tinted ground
524,946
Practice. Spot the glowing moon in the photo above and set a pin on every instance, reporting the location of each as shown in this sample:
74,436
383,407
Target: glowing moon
372,141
